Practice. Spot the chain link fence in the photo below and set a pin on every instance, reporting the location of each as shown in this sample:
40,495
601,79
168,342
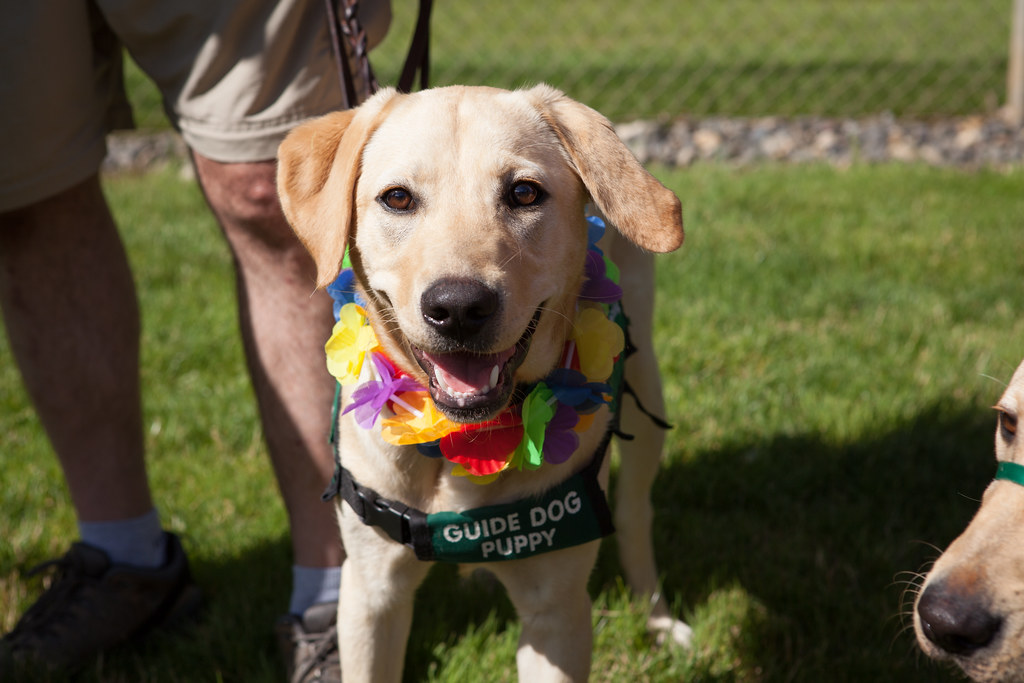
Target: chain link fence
657,59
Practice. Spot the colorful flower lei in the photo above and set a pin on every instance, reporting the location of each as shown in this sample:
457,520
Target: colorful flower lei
542,429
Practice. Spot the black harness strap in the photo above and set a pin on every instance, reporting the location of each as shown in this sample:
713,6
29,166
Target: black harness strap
401,523
408,525
590,474
627,388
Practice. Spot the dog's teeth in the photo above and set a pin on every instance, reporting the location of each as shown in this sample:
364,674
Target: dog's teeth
462,397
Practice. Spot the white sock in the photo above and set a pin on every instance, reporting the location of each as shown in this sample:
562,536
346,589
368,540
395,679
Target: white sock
138,541
312,586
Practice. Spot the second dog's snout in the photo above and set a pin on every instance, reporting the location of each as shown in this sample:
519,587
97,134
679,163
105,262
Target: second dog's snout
459,308
959,623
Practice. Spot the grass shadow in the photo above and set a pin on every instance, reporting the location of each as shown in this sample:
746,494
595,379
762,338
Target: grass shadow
813,537
798,542
232,637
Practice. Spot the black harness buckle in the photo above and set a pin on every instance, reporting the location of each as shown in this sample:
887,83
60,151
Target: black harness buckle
391,516
398,521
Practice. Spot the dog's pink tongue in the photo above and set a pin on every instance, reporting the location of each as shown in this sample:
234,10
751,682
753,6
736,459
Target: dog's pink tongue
468,374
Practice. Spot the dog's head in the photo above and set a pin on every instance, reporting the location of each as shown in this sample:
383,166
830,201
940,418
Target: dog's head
970,609
462,209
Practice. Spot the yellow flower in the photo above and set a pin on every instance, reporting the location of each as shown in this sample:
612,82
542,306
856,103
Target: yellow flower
598,341
351,339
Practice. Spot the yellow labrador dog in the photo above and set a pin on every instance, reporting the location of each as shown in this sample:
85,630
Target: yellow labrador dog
971,607
462,210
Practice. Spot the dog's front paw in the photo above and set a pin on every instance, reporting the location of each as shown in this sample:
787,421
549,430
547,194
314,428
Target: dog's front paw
669,629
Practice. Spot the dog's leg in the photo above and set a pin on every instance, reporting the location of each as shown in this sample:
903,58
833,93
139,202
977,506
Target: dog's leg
550,595
641,457
378,585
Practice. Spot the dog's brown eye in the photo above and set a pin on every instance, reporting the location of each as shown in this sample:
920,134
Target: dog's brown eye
525,194
397,199
1007,423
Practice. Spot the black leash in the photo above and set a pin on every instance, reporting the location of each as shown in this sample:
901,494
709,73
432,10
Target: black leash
419,51
346,27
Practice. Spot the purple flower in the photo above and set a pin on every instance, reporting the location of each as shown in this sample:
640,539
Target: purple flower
560,441
597,286
371,397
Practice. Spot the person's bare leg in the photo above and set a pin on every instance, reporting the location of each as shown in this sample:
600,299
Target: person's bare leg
284,328
72,318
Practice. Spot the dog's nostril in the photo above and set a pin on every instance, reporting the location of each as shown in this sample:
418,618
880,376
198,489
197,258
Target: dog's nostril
956,622
459,308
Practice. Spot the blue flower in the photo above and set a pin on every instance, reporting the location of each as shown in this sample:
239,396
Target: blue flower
571,388
343,291
595,231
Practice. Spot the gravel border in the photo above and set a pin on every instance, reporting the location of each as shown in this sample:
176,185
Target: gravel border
134,151
972,142
965,142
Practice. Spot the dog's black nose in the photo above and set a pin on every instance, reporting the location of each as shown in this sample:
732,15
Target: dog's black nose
957,621
458,308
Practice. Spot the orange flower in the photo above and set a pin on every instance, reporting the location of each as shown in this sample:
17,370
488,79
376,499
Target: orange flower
417,421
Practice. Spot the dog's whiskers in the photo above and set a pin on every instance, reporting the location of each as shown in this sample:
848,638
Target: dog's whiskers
512,257
556,313
912,583
932,546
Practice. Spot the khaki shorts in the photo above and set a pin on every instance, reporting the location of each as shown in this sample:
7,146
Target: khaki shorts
234,81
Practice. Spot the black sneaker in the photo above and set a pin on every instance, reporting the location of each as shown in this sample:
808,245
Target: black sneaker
91,605
309,645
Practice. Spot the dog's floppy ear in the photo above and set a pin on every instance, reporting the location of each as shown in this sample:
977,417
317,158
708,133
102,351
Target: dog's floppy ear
318,165
644,210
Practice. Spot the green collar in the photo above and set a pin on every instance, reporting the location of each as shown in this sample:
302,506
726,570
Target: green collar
1010,471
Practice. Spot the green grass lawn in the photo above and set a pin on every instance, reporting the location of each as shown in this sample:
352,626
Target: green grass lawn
831,342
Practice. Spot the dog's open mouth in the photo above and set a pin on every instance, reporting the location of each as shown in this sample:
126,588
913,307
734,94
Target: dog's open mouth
473,387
